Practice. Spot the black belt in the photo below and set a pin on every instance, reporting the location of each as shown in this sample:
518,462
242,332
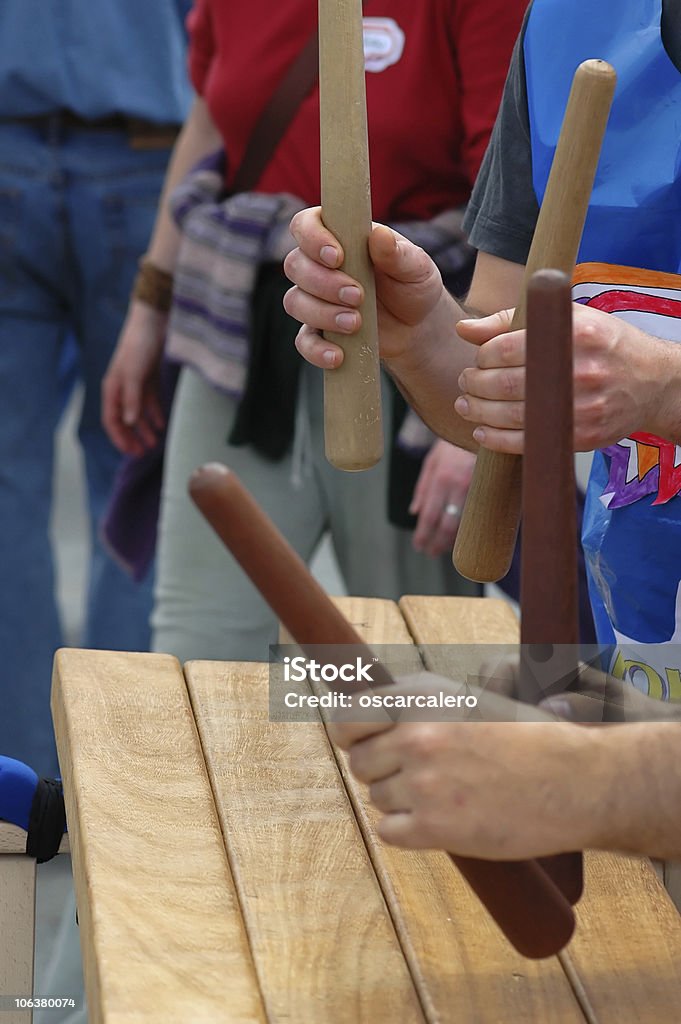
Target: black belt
141,134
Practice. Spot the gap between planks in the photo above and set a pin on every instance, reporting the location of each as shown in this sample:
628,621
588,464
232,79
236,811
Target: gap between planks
546,990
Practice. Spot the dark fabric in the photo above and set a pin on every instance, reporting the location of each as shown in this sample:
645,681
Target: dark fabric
405,467
130,524
503,208
47,821
266,415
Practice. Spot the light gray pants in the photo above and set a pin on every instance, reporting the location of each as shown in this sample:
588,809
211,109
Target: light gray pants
205,606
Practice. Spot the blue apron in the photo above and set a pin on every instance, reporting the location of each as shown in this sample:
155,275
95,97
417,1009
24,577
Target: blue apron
632,522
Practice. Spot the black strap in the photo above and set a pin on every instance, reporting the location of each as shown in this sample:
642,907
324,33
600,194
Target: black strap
277,116
47,821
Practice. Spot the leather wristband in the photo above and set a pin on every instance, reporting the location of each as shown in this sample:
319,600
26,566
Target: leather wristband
153,286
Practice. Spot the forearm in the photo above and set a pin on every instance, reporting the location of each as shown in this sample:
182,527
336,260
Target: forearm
198,138
640,809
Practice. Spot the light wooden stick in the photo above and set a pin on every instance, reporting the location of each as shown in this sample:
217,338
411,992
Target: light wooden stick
489,526
352,393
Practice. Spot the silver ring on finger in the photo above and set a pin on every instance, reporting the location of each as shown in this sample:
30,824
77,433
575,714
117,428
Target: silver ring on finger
452,510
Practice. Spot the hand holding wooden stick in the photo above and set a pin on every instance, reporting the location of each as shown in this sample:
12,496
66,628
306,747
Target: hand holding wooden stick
352,393
520,895
489,526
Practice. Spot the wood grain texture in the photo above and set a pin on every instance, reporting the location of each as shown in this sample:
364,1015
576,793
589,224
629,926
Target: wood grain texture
13,839
627,947
463,967
161,930
17,930
487,532
453,630
352,392
626,951
321,936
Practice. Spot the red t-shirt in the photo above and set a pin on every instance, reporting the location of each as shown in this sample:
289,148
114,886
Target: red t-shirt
436,70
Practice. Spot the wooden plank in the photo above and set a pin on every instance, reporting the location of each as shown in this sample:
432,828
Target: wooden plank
161,930
672,881
627,948
322,939
382,619
13,839
17,932
462,965
454,628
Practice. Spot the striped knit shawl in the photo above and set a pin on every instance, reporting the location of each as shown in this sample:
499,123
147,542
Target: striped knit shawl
224,241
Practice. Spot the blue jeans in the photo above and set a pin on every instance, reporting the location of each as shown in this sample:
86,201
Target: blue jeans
76,210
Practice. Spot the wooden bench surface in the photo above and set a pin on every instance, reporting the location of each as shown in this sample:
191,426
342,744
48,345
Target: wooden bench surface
227,867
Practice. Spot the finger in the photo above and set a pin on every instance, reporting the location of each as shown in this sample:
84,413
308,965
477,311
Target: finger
316,240
421,488
431,513
481,330
396,257
506,415
125,440
147,434
332,286
131,400
507,384
136,418
504,351
399,830
445,535
374,758
317,350
345,732
388,795
323,316
122,437
508,441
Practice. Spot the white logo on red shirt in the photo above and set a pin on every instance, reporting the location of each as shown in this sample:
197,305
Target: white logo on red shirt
383,43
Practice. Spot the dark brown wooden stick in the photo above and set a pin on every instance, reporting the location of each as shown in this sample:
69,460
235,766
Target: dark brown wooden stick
519,895
549,592
549,631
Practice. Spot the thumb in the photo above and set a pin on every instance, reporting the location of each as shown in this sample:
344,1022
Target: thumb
394,255
477,332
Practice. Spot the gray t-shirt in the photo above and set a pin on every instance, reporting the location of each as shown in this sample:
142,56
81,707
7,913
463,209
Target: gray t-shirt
503,208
